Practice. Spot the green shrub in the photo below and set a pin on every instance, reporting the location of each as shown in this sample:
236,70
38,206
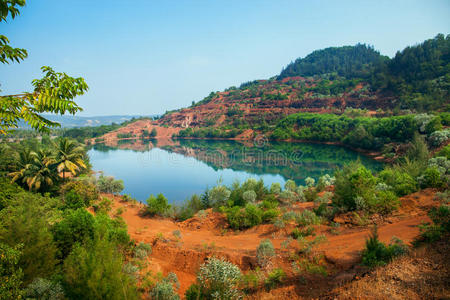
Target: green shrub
270,215
444,152
249,196
218,279
265,252
218,196
157,205
142,250
377,253
79,193
76,227
401,182
307,231
307,217
10,273
194,293
253,215
94,270
310,194
107,184
166,288
240,218
275,188
440,228
352,181
431,178
275,278
290,185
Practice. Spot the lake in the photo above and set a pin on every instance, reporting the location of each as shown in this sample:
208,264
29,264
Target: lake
180,168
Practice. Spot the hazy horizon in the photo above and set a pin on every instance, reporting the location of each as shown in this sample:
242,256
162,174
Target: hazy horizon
148,57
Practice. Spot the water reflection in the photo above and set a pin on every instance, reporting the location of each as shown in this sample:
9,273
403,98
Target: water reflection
194,164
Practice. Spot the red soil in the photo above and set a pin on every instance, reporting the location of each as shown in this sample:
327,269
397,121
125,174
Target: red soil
209,236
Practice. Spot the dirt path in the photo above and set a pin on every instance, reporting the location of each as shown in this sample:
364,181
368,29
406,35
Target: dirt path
204,237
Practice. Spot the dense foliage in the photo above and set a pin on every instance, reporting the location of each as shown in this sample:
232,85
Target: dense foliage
348,61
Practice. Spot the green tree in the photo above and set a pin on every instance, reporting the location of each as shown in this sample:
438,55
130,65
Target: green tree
10,273
69,156
54,93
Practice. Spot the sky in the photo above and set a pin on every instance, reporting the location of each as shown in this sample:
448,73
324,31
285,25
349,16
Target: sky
144,57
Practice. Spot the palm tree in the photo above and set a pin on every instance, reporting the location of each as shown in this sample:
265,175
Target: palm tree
69,156
41,173
36,169
24,162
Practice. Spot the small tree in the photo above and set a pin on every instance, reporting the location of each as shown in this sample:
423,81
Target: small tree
153,133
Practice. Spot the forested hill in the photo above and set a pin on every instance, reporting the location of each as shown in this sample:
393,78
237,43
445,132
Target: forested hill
349,80
357,61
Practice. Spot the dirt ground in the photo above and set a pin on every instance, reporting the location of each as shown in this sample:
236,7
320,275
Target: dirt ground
206,236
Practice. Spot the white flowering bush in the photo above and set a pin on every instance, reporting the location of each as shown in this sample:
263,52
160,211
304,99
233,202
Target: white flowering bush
422,121
249,196
218,279
265,252
438,138
44,289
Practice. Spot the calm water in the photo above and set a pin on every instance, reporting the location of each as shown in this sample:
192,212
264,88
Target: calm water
181,168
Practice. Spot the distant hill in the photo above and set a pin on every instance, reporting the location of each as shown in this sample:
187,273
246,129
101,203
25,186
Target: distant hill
69,121
334,80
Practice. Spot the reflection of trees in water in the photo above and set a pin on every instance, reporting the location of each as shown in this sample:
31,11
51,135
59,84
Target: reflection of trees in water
290,160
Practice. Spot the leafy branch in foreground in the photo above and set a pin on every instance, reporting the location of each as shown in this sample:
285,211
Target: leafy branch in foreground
53,93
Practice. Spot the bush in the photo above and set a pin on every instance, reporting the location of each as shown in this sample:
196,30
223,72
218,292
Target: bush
44,289
218,196
307,231
189,208
290,185
166,288
107,184
275,278
142,250
270,215
157,205
10,273
275,188
352,181
307,217
265,252
218,279
401,182
377,253
440,227
438,138
253,215
431,178
76,227
249,196
79,193
95,271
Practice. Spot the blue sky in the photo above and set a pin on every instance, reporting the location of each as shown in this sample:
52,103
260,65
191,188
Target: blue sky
146,57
